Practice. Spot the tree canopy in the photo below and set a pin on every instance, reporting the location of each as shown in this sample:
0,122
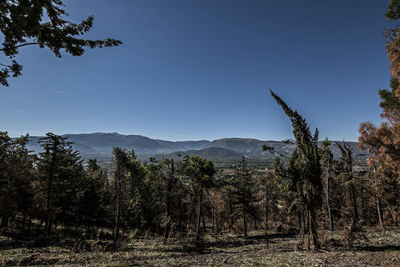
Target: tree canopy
44,24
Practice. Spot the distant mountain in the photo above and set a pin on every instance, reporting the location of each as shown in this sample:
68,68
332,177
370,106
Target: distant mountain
100,145
104,143
215,153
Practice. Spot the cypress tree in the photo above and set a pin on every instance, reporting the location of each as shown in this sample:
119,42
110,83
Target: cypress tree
304,169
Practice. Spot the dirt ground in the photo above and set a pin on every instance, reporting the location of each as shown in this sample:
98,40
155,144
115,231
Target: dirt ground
371,248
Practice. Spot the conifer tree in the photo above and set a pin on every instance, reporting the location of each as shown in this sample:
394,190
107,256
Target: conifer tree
244,191
346,173
43,24
121,161
304,168
199,174
94,199
60,172
268,194
16,178
327,164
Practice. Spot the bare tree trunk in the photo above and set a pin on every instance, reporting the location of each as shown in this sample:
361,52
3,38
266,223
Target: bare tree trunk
231,222
4,222
328,204
313,228
244,221
118,208
393,214
213,219
204,223
308,230
379,210
222,222
48,206
30,224
199,217
168,201
363,205
354,202
23,221
266,208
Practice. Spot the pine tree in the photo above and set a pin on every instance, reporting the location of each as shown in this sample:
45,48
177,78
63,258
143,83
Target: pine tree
94,198
244,191
43,24
268,193
327,164
121,161
16,178
199,174
60,172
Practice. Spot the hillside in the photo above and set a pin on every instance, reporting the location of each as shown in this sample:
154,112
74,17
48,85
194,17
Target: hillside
100,145
215,153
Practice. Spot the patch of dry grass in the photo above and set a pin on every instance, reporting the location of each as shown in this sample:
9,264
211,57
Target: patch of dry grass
371,248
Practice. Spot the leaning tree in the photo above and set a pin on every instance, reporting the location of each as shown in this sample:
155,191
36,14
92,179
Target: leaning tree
304,167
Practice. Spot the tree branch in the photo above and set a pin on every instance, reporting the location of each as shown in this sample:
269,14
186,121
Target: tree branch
21,45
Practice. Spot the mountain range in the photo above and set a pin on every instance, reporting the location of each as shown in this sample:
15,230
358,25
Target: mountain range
100,145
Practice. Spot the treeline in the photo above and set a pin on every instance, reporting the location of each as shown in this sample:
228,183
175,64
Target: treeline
308,192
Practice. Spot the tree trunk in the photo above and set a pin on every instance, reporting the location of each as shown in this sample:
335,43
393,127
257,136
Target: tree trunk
23,221
213,219
354,202
313,228
30,224
308,230
379,210
204,223
222,222
199,217
394,215
4,222
244,221
328,204
118,208
363,205
48,206
168,201
266,208
231,222
299,218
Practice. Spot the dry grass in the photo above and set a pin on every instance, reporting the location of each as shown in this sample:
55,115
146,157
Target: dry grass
372,248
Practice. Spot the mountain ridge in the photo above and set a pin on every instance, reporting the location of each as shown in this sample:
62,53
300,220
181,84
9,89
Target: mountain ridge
91,145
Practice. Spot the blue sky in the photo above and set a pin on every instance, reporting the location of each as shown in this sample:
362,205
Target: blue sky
200,69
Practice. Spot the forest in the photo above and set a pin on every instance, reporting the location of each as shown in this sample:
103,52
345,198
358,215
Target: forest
310,208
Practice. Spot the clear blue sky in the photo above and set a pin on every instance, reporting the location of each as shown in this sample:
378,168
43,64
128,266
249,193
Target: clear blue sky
200,69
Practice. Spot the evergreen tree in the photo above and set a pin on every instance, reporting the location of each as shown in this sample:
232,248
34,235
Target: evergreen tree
199,174
44,24
304,168
60,173
244,191
346,173
327,164
16,178
268,194
94,201
119,200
